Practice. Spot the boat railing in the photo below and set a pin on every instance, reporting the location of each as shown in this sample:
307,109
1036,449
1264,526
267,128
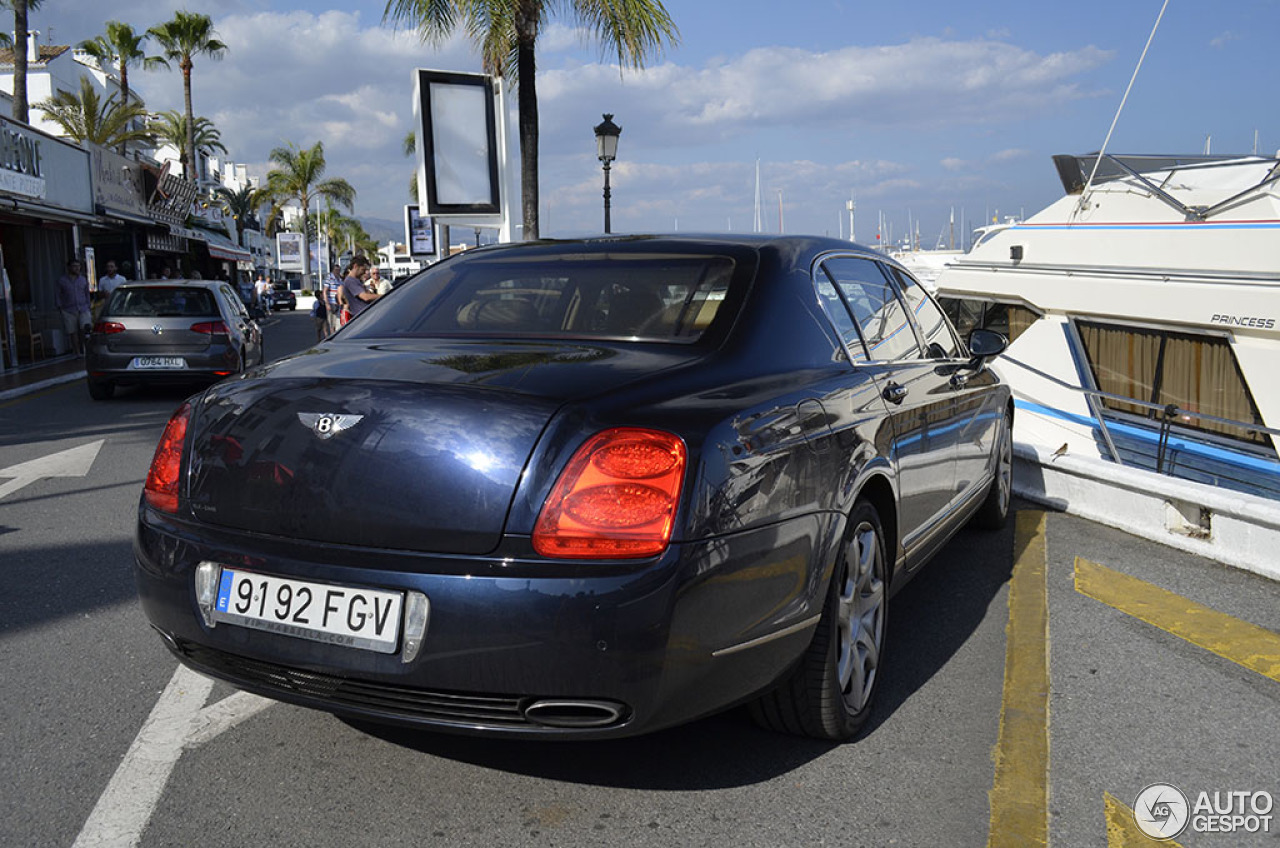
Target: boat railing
1167,414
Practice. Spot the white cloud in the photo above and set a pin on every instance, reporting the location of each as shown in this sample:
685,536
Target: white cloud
690,133
925,83
1223,39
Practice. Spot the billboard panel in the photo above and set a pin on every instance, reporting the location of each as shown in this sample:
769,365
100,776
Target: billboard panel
419,232
457,144
289,251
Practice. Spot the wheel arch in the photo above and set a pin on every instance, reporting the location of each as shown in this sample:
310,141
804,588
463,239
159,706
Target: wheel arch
879,492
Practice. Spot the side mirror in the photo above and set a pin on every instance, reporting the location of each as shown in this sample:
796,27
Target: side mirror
983,345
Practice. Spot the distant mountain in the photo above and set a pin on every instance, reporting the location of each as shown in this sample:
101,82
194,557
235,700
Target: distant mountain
384,230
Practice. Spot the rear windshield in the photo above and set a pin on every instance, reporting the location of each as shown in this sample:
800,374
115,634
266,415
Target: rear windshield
650,296
160,301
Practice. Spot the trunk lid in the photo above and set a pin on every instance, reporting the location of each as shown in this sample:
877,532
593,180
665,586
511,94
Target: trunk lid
413,446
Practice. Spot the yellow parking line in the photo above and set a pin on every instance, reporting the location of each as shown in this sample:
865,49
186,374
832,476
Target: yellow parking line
1123,830
1020,792
1253,647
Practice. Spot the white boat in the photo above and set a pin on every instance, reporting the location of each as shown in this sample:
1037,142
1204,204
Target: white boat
926,265
1143,310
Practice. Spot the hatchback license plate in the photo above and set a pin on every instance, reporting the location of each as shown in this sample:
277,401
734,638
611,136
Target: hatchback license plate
340,615
147,362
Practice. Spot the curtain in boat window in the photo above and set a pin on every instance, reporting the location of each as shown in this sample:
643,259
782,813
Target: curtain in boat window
1195,373
1201,375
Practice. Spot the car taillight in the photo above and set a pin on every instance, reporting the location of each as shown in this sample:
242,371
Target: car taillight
108,327
161,489
616,499
212,328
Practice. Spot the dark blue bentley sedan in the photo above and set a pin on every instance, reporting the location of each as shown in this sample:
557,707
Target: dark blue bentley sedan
581,489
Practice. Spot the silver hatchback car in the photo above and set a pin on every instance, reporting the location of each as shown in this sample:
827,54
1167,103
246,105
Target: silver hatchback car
174,331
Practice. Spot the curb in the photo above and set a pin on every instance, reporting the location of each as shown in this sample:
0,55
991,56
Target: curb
7,394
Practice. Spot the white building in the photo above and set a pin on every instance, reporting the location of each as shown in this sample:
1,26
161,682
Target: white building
52,68
394,261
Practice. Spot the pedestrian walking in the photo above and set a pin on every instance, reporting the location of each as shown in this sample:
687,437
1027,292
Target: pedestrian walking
358,297
72,299
106,283
263,290
332,288
111,279
320,317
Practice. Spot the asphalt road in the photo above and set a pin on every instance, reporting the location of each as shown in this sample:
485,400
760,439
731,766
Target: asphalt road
1128,703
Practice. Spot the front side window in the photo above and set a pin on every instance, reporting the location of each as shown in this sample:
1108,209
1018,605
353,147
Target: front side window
939,341
875,306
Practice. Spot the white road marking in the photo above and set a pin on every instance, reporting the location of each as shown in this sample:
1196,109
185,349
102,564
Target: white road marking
179,721
74,462
218,718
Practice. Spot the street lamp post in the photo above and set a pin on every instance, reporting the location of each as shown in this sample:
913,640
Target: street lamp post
607,133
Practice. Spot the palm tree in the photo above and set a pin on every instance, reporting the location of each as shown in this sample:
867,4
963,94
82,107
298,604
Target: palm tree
506,31
21,111
170,126
300,177
410,148
188,35
242,205
87,117
121,46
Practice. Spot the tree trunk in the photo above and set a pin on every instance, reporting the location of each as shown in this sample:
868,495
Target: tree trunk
124,95
191,123
20,36
528,100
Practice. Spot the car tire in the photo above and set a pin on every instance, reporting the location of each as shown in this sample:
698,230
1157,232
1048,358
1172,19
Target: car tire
994,512
101,389
830,693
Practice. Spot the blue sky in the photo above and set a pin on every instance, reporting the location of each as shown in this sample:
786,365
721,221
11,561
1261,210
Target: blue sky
915,108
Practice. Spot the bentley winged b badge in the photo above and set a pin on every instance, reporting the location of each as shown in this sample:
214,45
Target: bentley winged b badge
326,425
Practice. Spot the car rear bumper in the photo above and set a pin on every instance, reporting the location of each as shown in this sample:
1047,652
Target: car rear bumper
512,648
211,363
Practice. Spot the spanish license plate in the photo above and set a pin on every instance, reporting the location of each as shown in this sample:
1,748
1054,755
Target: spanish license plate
340,615
152,362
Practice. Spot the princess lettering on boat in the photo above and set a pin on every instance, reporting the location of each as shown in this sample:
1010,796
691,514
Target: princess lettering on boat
1245,321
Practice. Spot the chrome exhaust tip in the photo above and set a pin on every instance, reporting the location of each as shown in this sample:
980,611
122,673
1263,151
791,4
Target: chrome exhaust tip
575,713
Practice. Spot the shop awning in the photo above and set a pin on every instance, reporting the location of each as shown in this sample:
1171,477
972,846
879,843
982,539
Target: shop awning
221,247
237,254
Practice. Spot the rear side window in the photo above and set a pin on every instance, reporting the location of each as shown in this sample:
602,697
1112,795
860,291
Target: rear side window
875,307
840,319
160,302
648,296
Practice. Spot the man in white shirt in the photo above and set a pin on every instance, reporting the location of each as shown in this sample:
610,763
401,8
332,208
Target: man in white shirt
376,283
110,280
263,289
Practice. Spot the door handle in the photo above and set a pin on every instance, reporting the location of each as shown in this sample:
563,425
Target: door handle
894,393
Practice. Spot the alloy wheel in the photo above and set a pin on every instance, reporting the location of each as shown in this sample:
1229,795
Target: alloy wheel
861,618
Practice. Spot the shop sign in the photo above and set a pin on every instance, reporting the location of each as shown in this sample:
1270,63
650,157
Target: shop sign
117,181
171,202
21,162
166,243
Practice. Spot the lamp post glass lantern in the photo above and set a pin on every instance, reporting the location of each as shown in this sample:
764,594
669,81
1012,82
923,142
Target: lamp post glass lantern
607,133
